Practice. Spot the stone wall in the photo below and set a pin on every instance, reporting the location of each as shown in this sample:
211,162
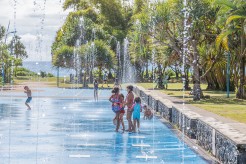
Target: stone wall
209,136
184,120
165,110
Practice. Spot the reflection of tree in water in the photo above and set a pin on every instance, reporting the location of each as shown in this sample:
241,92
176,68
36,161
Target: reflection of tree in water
128,151
28,120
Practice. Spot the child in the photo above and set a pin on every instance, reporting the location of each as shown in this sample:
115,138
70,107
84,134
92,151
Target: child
116,83
137,108
95,90
145,111
122,111
149,114
29,96
105,79
115,100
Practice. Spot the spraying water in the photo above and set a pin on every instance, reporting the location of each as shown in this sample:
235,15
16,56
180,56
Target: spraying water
118,54
128,69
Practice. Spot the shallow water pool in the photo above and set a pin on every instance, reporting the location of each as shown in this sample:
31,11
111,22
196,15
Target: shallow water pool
81,131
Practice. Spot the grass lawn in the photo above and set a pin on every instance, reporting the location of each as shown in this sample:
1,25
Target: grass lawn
217,103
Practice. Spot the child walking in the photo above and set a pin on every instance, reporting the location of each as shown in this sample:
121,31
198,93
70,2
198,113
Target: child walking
29,96
137,108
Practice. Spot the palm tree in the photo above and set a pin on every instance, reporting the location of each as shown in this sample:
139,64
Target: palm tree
234,32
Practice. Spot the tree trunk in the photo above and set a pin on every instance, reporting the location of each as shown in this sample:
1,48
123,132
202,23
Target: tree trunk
147,71
197,91
138,72
187,79
160,77
100,73
91,76
241,92
176,72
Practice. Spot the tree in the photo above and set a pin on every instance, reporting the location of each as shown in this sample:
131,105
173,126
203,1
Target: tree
101,20
8,51
17,48
233,33
140,42
104,57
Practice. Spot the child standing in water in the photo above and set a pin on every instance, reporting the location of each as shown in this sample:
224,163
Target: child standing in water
95,90
122,111
29,97
117,84
115,100
137,108
129,103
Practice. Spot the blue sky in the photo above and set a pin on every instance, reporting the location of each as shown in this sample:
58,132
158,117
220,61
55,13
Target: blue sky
29,21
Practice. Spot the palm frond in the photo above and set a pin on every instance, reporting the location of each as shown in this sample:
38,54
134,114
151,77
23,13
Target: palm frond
226,3
234,17
221,39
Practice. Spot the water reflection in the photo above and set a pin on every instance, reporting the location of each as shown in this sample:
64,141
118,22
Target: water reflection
28,119
80,133
118,147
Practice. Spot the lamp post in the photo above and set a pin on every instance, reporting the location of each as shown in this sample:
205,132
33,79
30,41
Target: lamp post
228,75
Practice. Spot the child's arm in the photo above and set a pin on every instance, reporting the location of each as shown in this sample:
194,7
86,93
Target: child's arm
132,108
110,99
27,91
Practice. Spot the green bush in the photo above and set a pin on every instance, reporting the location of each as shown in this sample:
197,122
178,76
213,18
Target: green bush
170,73
50,75
20,71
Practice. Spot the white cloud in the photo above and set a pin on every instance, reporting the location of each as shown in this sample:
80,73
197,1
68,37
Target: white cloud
28,38
28,22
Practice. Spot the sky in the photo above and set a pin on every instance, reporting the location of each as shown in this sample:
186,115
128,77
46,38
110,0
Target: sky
36,22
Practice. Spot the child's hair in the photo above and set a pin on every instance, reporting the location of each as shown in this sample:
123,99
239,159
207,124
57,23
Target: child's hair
25,87
130,87
115,90
137,100
145,105
122,96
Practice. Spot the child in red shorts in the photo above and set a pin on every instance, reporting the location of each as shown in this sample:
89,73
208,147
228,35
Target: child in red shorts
122,111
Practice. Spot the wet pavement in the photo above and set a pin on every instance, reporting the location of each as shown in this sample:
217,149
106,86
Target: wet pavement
59,130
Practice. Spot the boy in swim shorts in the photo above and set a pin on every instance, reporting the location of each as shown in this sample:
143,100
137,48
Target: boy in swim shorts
29,97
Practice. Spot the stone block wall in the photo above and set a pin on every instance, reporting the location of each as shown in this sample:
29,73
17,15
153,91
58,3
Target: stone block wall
204,136
207,136
153,103
165,111
225,150
181,120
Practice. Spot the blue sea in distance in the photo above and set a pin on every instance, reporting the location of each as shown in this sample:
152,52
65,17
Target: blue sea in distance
46,66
